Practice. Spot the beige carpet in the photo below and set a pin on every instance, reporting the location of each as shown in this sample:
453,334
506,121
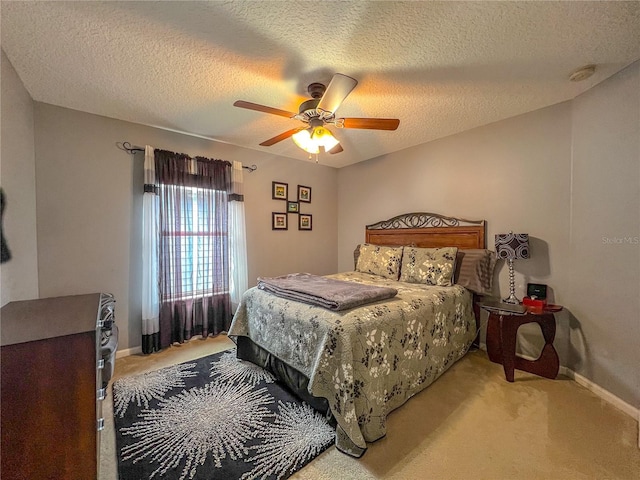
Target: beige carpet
470,424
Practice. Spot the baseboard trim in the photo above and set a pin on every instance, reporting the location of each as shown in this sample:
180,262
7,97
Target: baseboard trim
594,388
128,351
601,392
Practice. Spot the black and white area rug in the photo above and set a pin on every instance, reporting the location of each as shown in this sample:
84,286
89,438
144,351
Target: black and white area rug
213,418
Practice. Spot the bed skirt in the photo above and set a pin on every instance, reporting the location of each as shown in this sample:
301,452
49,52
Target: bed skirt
295,381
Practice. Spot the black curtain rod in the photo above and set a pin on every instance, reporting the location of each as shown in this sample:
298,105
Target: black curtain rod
127,147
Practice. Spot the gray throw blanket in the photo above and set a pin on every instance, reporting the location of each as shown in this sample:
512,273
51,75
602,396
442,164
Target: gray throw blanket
325,292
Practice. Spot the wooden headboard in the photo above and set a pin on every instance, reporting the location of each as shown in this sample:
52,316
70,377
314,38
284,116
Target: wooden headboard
427,230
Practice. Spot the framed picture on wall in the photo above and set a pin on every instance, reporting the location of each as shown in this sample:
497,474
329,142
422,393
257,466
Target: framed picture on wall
293,207
279,191
304,194
304,221
279,221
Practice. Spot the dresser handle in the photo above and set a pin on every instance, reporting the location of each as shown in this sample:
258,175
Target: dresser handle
101,364
100,424
102,393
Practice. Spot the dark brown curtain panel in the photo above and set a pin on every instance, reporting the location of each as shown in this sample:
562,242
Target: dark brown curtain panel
193,246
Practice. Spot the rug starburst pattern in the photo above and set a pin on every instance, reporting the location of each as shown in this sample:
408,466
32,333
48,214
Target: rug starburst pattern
298,433
230,368
152,385
225,420
217,419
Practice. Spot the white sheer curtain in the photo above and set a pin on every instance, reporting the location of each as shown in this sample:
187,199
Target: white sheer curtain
238,282
150,295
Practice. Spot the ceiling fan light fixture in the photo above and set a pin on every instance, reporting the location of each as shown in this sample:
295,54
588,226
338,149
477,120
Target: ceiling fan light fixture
324,138
303,140
311,139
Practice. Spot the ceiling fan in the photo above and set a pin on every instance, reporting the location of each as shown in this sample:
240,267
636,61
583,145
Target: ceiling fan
318,112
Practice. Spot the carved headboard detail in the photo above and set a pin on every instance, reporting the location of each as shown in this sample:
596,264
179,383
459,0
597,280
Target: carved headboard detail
427,230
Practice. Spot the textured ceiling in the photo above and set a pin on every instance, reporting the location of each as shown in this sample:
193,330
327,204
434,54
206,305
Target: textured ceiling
440,67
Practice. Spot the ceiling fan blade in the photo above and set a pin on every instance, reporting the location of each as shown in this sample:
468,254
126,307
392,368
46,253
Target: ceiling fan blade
337,149
263,108
338,89
279,138
371,123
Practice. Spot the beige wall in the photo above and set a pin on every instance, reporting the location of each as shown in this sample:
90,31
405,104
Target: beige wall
604,288
89,209
18,276
280,252
568,175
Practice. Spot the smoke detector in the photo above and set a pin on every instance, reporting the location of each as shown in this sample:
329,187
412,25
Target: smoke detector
582,73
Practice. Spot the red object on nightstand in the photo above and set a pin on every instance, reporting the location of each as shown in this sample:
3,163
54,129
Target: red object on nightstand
534,302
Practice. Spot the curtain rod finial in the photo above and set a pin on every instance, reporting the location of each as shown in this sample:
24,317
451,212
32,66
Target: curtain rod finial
127,147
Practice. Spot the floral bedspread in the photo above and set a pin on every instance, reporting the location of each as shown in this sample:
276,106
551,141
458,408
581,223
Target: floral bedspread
369,360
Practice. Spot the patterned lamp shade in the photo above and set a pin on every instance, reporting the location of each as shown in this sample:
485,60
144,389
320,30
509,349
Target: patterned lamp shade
512,245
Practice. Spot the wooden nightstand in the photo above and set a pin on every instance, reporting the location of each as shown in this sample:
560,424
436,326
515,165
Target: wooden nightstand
501,343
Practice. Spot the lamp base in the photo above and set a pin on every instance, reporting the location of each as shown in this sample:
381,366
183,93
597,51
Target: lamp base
512,285
511,299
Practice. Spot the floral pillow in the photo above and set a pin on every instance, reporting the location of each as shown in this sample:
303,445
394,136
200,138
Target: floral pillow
380,260
431,266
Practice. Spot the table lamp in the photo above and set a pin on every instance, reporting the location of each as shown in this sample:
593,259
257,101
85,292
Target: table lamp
510,246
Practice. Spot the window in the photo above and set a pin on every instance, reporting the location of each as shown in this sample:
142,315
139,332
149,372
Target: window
187,241
189,238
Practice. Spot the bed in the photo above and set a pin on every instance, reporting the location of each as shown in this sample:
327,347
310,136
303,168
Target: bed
360,364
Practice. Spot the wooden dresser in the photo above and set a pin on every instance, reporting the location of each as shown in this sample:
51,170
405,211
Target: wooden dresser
50,401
